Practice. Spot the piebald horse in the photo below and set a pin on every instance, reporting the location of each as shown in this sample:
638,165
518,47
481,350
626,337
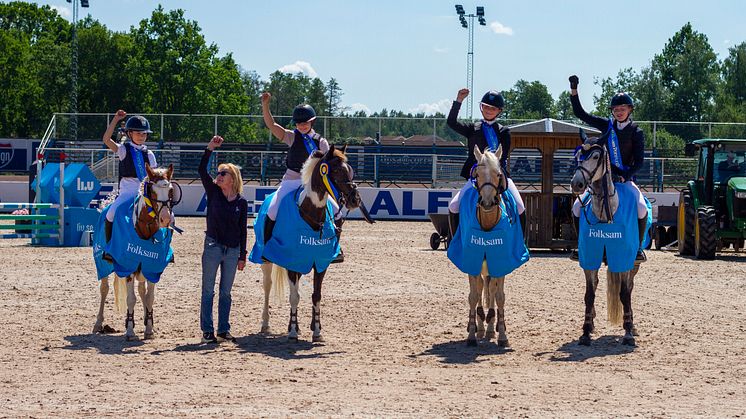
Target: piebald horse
593,174
322,174
152,211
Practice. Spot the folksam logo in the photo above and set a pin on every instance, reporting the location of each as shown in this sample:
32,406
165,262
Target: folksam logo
600,234
312,241
6,154
137,250
481,241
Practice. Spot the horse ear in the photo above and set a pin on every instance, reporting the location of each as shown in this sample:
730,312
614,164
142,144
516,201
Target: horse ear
583,136
477,154
170,171
343,149
149,171
499,152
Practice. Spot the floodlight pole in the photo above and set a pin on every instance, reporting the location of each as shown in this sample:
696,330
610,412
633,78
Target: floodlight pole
470,51
74,70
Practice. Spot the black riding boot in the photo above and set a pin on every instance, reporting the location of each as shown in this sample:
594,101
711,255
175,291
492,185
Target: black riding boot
108,226
452,223
269,225
522,219
642,224
576,226
341,256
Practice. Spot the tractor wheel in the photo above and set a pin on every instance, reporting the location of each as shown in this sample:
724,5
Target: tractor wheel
685,223
434,241
705,233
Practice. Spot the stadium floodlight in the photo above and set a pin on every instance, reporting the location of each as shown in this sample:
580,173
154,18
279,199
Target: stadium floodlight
462,15
84,3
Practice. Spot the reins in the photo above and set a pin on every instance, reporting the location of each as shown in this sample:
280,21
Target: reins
604,182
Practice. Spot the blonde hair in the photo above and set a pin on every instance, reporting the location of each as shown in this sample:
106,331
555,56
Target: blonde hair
235,173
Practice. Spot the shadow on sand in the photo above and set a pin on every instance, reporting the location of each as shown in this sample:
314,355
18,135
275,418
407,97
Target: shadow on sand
106,344
456,352
602,346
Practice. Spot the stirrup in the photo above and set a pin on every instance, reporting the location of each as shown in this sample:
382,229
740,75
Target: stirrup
340,257
641,257
574,255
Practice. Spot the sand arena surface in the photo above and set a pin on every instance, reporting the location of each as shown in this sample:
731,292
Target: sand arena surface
394,317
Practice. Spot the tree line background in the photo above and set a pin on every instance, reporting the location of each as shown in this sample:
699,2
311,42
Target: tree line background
164,65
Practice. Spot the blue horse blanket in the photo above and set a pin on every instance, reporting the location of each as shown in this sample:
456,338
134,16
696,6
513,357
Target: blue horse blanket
620,239
294,244
502,247
128,250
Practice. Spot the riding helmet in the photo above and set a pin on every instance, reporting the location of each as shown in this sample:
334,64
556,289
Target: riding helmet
138,123
493,98
621,98
303,113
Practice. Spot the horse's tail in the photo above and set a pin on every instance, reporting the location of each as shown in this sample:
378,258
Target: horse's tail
613,300
120,294
279,279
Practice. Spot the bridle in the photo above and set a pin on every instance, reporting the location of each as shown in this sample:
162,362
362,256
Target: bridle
153,206
582,153
331,185
500,189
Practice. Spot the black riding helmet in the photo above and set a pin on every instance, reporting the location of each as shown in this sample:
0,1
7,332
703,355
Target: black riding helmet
303,113
493,98
621,98
138,123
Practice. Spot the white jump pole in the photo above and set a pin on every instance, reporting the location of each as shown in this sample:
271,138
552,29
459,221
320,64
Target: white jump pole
61,209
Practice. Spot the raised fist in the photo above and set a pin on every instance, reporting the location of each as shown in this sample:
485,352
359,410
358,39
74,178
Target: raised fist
462,94
574,81
120,115
266,96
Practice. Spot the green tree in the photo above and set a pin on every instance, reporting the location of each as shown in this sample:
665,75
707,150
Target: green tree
562,108
688,68
731,95
623,82
528,100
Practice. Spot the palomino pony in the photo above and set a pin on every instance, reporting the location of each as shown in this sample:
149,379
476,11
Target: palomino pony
487,246
151,214
324,175
609,221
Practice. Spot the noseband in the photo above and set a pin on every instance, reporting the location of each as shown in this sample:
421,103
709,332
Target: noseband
588,175
474,177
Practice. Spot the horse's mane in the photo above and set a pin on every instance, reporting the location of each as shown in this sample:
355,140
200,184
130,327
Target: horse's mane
306,172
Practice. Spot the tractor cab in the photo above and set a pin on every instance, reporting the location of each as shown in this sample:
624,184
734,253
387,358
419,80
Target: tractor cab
712,208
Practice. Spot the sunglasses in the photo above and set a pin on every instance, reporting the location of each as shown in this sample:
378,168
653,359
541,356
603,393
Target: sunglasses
223,173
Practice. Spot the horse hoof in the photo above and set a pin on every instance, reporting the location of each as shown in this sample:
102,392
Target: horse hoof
318,339
480,334
97,328
584,340
634,331
471,342
265,330
629,341
148,336
503,344
293,339
489,335
131,338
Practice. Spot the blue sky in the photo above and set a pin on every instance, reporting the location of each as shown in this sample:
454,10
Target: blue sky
411,55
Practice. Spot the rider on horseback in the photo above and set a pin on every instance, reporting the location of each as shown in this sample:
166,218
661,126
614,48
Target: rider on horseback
626,145
486,133
132,158
302,142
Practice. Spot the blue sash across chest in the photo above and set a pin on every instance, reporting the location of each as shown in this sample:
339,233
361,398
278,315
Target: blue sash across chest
294,244
615,153
128,250
502,247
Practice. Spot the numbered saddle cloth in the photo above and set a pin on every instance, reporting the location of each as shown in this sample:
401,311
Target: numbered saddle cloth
502,247
128,250
294,245
619,239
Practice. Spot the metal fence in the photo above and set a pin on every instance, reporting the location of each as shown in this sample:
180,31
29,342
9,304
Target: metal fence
382,169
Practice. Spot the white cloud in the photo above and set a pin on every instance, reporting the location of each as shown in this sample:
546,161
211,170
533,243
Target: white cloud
356,107
442,106
63,11
440,50
727,42
501,29
299,67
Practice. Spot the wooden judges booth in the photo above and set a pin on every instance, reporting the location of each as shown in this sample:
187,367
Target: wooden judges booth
541,167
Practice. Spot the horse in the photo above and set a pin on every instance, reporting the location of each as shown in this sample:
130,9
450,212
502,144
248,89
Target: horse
150,220
593,175
323,175
487,245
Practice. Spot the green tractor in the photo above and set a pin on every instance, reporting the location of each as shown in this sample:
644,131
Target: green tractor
712,207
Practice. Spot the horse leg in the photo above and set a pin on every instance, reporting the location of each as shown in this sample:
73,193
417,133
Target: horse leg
591,282
148,302
294,281
480,309
626,297
267,285
318,278
491,290
474,297
104,290
632,275
502,337
141,292
129,322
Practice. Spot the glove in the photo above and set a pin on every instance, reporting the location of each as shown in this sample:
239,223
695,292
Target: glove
574,81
